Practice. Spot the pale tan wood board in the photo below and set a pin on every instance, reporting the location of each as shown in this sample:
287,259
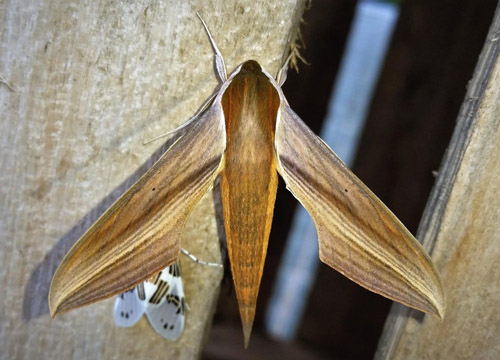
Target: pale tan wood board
91,83
462,224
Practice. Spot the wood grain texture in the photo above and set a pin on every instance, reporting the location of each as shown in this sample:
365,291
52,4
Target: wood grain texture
92,83
249,181
358,235
462,224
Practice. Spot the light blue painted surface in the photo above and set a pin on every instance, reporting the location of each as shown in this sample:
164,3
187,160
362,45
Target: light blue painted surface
359,70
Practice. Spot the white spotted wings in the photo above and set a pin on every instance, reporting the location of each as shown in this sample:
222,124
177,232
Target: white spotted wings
161,298
130,306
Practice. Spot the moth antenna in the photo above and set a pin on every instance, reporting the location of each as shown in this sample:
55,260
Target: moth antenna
281,78
219,60
164,135
198,261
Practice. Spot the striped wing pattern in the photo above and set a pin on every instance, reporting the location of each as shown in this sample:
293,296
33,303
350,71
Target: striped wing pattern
161,298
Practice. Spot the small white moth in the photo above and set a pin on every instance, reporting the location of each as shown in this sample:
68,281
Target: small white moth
161,298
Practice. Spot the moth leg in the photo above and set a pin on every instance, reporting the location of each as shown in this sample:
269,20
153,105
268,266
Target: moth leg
198,261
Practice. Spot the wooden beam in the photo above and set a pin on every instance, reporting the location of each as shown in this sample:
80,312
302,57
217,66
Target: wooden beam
83,87
461,224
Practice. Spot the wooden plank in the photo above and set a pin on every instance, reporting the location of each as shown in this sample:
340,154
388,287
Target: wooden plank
462,224
90,84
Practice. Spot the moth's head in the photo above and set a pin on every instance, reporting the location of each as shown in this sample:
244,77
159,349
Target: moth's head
251,67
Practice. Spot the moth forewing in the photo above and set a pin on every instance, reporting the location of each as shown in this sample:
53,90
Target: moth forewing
358,235
148,219
129,306
165,308
161,298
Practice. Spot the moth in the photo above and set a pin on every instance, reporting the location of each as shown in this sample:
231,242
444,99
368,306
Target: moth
247,134
161,298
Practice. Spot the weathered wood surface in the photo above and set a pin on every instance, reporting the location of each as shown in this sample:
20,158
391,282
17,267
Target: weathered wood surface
462,226
90,83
